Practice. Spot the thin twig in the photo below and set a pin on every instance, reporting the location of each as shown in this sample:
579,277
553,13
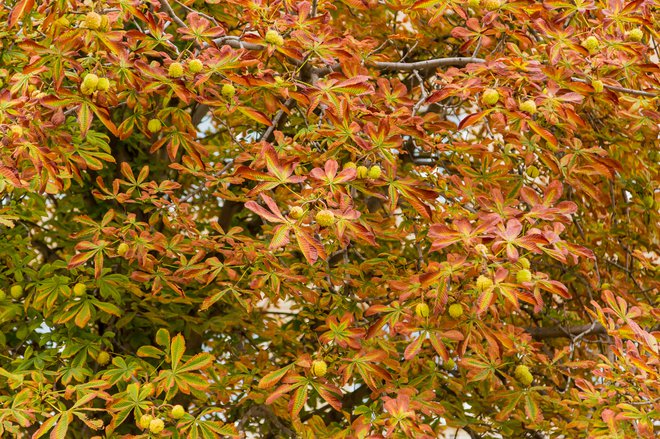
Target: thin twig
172,14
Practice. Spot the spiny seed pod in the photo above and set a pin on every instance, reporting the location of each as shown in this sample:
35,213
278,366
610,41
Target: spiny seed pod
533,171
591,44
325,218
483,283
374,172
296,212
228,91
523,276
16,291
490,96
529,106
175,70
597,85
91,81
349,165
636,34
103,358
177,412
524,262
273,37
154,125
86,90
319,368
79,289
491,5
103,84
144,421
362,171
93,20
195,66
455,310
523,375
122,249
3,295
156,426
474,4
422,310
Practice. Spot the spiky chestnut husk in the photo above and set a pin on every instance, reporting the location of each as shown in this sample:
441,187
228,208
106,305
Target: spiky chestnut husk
533,171
374,172
591,44
483,283
91,81
154,125
362,171
156,426
103,358
273,37
523,276
93,20
490,96
319,368
523,375
122,249
636,35
491,5
529,106
144,421
455,310
175,70
16,291
177,412
524,262
195,66
228,90
422,310
296,212
103,84
325,218
79,289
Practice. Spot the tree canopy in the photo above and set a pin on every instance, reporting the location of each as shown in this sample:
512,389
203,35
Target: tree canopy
329,219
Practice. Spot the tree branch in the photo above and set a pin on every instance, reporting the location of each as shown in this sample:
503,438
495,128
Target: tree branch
566,332
458,61
427,64
619,89
172,14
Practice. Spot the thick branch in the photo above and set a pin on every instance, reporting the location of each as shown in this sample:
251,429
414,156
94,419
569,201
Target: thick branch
619,89
172,14
566,332
428,64
458,61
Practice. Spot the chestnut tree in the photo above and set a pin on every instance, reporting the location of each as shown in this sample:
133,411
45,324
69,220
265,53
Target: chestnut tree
329,218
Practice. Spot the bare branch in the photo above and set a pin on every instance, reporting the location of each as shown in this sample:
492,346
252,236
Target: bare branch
566,332
172,14
619,89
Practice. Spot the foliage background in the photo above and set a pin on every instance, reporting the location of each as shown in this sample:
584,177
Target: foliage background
206,292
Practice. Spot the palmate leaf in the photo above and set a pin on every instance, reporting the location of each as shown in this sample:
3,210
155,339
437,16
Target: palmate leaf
274,377
135,399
